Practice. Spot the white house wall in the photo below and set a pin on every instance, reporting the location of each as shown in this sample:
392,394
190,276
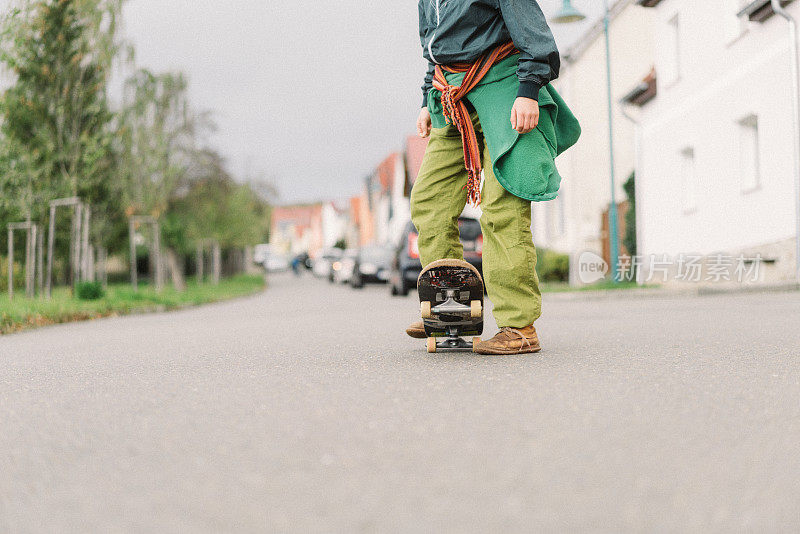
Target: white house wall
334,226
723,78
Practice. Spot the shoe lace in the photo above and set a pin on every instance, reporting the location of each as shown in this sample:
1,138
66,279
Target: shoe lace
509,330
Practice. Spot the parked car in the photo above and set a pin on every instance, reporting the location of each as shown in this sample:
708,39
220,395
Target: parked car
342,271
260,253
271,259
324,262
372,266
406,264
276,263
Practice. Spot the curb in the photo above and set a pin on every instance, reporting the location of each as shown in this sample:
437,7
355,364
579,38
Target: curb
704,291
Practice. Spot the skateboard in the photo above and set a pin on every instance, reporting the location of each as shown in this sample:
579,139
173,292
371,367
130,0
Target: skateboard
451,304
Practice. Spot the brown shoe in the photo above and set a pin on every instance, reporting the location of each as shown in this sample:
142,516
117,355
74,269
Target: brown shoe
416,330
511,341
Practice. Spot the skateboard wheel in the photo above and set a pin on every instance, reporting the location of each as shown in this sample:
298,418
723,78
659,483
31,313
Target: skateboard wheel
476,309
431,343
475,341
425,309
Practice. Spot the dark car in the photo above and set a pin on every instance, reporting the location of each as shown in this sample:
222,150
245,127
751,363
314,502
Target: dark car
372,266
406,265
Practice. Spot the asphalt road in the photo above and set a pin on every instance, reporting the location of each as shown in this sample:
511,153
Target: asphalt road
306,409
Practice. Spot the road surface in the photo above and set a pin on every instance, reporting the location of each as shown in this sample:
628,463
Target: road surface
306,409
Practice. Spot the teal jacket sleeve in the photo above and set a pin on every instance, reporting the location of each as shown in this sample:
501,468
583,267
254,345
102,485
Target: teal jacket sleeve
427,84
539,62
423,37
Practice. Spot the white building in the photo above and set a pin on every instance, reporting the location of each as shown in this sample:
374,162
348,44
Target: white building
717,152
401,211
334,224
573,223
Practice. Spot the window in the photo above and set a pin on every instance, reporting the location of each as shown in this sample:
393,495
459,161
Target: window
749,159
672,51
688,181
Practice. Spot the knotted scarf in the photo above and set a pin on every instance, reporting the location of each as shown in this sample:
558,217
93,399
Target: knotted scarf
455,109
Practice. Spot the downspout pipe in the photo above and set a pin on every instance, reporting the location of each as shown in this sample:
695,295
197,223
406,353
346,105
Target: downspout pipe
779,10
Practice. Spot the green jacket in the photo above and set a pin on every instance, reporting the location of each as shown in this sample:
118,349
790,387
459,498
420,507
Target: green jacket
524,164
461,31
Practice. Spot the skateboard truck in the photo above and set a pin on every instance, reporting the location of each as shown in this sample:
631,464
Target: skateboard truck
450,305
452,341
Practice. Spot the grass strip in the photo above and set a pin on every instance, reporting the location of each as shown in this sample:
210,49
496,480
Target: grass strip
120,299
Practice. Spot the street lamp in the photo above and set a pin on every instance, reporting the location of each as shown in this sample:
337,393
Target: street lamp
569,14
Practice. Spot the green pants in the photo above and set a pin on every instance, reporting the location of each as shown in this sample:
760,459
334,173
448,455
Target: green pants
509,256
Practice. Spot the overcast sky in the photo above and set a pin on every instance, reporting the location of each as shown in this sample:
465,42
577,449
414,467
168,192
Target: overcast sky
310,93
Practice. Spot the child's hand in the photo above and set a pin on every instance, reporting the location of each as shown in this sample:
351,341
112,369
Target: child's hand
424,123
525,115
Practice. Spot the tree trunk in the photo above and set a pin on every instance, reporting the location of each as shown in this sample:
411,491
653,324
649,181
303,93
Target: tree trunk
103,266
75,244
157,250
40,261
132,240
91,257
85,257
176,266
151,263
199,260
217,262
10,264
249,265
51,235
30,258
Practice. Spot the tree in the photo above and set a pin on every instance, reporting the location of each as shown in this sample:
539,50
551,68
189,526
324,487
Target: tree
57,110
159,133
57,139
216,207
629,239
157,130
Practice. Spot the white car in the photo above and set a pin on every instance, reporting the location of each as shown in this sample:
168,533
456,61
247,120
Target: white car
261,252
342,270
324,262
276,263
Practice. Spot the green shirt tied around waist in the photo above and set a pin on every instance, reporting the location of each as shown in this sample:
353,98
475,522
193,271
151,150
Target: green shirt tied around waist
523,163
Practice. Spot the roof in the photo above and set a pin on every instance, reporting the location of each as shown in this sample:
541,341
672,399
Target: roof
299,214
386,171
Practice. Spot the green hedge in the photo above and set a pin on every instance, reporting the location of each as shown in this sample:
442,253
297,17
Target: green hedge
89,291
552,266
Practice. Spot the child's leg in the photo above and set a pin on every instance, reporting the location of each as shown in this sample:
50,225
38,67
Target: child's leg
509,256
439,197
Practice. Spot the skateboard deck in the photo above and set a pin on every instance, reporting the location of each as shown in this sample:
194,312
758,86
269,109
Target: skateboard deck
451,304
